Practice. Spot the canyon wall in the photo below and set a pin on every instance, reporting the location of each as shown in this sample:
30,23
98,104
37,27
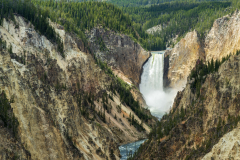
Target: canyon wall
222,39
227,147
57,101
181,59
201,123
125,56
119,51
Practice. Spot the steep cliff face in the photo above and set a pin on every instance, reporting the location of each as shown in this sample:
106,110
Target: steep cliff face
182,58
10,148
125,56
224,37
166,80
227,147
59,103
198,120
201,122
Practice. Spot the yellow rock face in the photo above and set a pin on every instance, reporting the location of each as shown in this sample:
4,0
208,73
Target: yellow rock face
227,147
223,38
183,58
51,125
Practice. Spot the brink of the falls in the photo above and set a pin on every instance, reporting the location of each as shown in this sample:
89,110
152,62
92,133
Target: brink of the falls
151,86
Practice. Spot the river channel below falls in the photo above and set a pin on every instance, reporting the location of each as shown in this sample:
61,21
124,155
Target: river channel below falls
129,148
158,99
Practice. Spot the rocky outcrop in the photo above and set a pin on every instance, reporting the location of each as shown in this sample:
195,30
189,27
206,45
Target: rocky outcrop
198,120
166,81
10,148
154,29
227,147
201,122
120,52
224,37
59,102
182,58
157,28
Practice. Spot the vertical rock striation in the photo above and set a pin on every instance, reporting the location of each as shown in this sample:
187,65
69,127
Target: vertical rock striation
222,39
204,120
182,58
206,129
53,123
119,51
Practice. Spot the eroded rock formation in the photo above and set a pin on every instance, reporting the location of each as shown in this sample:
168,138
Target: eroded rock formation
203,122
182,58
47,91
120,52
227,147
205,118
222,39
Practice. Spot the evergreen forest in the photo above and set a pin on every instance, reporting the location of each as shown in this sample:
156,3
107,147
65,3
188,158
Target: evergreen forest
138,3
176,17
33,14
72,16
170,121
80,17
133,18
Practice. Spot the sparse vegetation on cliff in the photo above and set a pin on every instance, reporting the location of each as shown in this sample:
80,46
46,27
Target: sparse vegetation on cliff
213,137
197,122
190,127
37,16
7,115
3,45
198,74
124,90
57,98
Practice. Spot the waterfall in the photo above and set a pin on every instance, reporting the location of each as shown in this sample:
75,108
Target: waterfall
152,77
151,85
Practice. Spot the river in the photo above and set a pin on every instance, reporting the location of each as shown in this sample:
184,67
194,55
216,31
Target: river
130,147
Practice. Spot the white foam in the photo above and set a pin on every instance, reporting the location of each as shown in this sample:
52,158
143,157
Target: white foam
158,100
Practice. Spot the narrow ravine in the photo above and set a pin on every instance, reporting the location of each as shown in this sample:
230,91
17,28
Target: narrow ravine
158,99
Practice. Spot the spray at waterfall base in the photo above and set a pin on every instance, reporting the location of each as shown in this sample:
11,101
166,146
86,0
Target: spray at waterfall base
158,99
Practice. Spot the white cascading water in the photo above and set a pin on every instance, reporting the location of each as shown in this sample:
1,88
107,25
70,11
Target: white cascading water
151,85
153,92
152,77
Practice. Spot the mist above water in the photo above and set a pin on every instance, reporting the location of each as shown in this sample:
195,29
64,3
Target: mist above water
158,100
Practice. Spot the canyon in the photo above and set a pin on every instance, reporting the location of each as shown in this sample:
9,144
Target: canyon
64,106
222,40
203,122
87,103
205,118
